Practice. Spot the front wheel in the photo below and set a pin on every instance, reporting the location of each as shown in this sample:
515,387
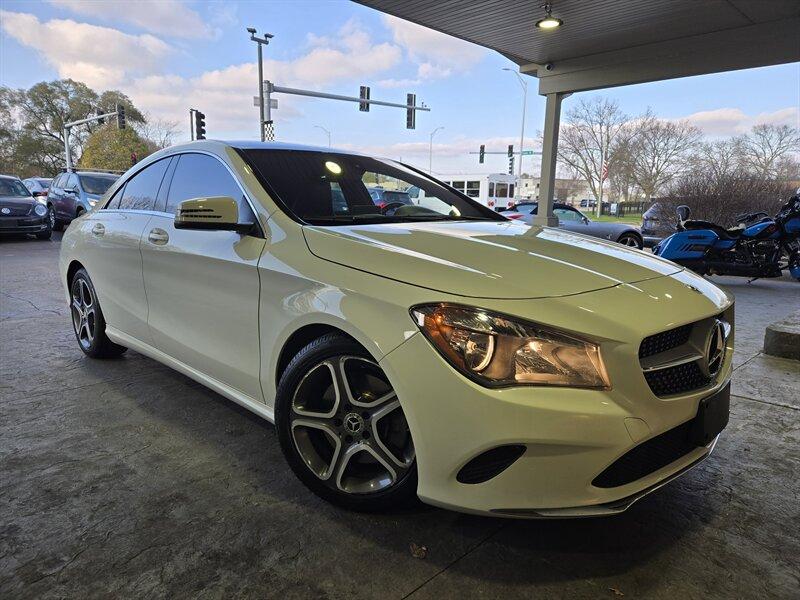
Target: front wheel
631,240
88,321
342,429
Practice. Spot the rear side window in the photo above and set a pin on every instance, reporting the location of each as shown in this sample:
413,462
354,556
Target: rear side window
141,190
202,176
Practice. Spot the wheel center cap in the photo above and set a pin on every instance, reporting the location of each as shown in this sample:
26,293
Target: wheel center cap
353,423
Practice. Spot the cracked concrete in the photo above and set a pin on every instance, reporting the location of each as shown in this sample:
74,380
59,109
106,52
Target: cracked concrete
125,479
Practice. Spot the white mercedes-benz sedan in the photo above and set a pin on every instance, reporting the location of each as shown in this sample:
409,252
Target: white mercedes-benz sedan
421,347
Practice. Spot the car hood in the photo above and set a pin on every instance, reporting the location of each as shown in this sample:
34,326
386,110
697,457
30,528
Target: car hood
485,259
16,203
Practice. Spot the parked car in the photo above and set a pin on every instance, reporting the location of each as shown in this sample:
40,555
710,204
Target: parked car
573,220
588,203
37,186
447,353
73,193
20,211
657,225
389,200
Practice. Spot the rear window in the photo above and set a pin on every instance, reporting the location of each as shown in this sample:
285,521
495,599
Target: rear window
329,188
96,184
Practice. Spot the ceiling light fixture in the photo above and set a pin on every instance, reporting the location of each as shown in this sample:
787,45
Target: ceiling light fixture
549,21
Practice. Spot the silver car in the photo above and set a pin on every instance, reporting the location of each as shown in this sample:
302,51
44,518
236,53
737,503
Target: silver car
573,220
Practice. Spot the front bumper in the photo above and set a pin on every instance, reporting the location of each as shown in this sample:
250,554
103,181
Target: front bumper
570,436
27,224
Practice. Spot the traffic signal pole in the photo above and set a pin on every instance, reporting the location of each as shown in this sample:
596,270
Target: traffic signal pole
68,129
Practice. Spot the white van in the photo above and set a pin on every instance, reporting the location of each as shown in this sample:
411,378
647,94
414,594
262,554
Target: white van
495,190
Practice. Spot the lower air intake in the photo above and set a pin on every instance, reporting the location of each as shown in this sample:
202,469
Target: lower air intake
490,464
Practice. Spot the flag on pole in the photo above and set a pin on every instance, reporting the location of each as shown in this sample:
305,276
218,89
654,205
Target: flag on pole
604,176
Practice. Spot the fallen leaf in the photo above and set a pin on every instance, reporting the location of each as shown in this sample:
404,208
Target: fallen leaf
616,592
418,551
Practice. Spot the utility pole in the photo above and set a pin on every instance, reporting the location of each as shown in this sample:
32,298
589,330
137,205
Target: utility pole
260,42
524,85
326,131
430,150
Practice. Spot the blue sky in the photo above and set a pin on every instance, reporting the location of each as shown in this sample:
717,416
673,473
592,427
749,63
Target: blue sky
171,55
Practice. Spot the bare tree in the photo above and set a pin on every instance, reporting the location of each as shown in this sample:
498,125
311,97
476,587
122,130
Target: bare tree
586,139
622,182
157,132
761,150
717,159
658,150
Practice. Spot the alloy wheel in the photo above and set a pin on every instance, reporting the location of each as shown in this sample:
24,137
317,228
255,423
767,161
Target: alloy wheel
348,427
630,241
51,215
84,315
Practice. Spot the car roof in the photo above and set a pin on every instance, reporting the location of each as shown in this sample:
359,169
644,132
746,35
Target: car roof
100,173
9,177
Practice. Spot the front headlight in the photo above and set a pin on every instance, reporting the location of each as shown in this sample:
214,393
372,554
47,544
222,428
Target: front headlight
40,209
497,350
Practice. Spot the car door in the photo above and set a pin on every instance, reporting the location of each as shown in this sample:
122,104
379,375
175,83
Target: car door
70,194
202,285
572,220
113,258
55,195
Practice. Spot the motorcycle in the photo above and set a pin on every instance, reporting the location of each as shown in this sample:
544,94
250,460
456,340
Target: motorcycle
759,246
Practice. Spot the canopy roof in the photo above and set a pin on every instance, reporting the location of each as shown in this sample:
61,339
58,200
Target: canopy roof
605,43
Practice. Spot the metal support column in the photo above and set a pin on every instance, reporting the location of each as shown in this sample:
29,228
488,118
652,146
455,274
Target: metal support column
552,120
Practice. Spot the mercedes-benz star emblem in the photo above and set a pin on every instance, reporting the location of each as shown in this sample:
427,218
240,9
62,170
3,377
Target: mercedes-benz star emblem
6,211
353,423
715,348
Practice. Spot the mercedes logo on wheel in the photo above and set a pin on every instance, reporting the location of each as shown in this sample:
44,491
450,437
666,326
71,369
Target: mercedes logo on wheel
715,348
353,423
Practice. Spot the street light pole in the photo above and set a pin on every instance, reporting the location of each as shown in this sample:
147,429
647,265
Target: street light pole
259,42
430,150
524,85
326,131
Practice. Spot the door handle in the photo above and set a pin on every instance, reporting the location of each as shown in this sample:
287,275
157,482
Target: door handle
158,236
98,229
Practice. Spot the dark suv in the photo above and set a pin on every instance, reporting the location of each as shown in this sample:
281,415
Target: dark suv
74,193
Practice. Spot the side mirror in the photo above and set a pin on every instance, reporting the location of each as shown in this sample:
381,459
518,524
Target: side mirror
585,220
218,213
683,212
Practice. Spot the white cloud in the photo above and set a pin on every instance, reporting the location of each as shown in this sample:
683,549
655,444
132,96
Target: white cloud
437,55
104,58
98,56
398,83
165,17
724,122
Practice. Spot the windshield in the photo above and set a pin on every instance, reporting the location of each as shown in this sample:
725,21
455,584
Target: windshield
96,184
14,188
324,188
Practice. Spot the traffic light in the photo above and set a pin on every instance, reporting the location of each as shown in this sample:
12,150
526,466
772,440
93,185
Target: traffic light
481,153
120,116
199,125
511,159
411,114
363,94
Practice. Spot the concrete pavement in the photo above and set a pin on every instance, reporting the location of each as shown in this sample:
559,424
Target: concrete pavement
125,479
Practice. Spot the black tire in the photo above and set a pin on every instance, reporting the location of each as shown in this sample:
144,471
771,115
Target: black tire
88,322
45,235
631,240
51,216
339,349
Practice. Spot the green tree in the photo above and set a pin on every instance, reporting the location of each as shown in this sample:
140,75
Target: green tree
111,148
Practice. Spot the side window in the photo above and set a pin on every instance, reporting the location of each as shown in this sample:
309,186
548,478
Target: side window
473,189
491,188
564,214
72,182
57,182
198,176
114,202
141,190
